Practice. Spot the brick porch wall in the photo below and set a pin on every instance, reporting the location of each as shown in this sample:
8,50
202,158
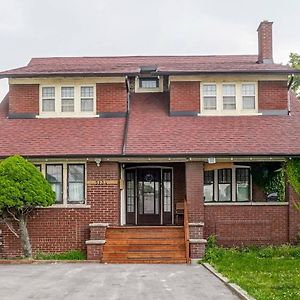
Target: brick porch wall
63,229
237,225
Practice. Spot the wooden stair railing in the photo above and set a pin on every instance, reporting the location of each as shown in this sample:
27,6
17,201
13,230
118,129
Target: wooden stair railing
186,232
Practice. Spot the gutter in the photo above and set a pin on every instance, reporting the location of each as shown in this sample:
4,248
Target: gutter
289,93
112,74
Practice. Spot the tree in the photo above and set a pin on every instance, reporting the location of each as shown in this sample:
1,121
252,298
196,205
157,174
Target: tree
22,189
294,62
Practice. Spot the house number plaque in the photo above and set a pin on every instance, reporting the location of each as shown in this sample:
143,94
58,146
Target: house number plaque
103,182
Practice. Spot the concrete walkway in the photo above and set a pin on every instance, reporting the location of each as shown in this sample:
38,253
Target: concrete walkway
110,282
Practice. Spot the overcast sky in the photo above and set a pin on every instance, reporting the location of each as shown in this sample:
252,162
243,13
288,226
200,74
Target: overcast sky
38,28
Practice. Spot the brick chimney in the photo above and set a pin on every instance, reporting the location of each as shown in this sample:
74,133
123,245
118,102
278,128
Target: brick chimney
265,51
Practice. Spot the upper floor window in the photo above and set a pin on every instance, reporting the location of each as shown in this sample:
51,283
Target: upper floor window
248,94
67,100
48,99
229,98
149,83
210,96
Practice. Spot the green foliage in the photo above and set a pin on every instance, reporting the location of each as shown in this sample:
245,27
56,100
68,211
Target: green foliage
23,186
69,255
270,178
294,62
264,272
292,169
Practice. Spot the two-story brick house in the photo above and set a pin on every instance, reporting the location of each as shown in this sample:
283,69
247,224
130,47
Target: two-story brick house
128,143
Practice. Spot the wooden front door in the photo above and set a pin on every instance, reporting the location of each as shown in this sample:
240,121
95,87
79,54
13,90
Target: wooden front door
149,196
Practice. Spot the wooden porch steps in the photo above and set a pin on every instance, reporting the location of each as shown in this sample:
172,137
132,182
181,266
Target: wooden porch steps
145,244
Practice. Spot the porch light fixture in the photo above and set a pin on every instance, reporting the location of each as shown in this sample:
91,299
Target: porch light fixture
211,160
98,161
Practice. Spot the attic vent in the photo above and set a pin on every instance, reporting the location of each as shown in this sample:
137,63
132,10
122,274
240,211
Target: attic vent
147,69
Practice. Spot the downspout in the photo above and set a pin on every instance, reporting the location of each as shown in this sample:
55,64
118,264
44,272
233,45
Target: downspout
127,117
289,94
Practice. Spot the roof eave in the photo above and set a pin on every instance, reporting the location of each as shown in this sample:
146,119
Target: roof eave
114,74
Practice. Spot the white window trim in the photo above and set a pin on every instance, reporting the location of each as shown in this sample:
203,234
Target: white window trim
77,102
233,186
65,183
239,100
159,89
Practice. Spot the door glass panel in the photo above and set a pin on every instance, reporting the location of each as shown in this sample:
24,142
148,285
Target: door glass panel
149,197
130,191
141,200
167,191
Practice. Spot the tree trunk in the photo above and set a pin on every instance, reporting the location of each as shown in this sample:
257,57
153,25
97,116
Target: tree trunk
26,246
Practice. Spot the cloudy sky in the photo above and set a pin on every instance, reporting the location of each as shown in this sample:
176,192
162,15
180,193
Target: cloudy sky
38,28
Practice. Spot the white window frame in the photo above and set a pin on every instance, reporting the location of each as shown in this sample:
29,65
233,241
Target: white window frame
203,96
239,99
159,89
65,181
233,186
77,102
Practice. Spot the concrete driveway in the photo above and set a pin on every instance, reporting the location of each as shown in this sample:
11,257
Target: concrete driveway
100,281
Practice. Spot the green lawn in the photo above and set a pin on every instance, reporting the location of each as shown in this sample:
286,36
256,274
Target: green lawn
265,273
69,255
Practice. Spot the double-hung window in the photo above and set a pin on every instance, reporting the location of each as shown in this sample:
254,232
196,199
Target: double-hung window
229,97
242,184
67,99
54,175
75,183
224,185
209,186
248,95
87,98
48,99
210,96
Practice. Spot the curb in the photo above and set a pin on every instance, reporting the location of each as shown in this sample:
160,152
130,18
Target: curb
242,294
41,262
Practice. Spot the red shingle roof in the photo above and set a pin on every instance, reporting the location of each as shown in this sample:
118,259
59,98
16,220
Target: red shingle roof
153,132
59,137
131,65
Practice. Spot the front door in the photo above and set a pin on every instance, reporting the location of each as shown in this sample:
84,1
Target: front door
149,196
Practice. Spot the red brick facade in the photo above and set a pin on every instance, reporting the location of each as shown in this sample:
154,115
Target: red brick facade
24,98
185,96
62,229
272,95
111,97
